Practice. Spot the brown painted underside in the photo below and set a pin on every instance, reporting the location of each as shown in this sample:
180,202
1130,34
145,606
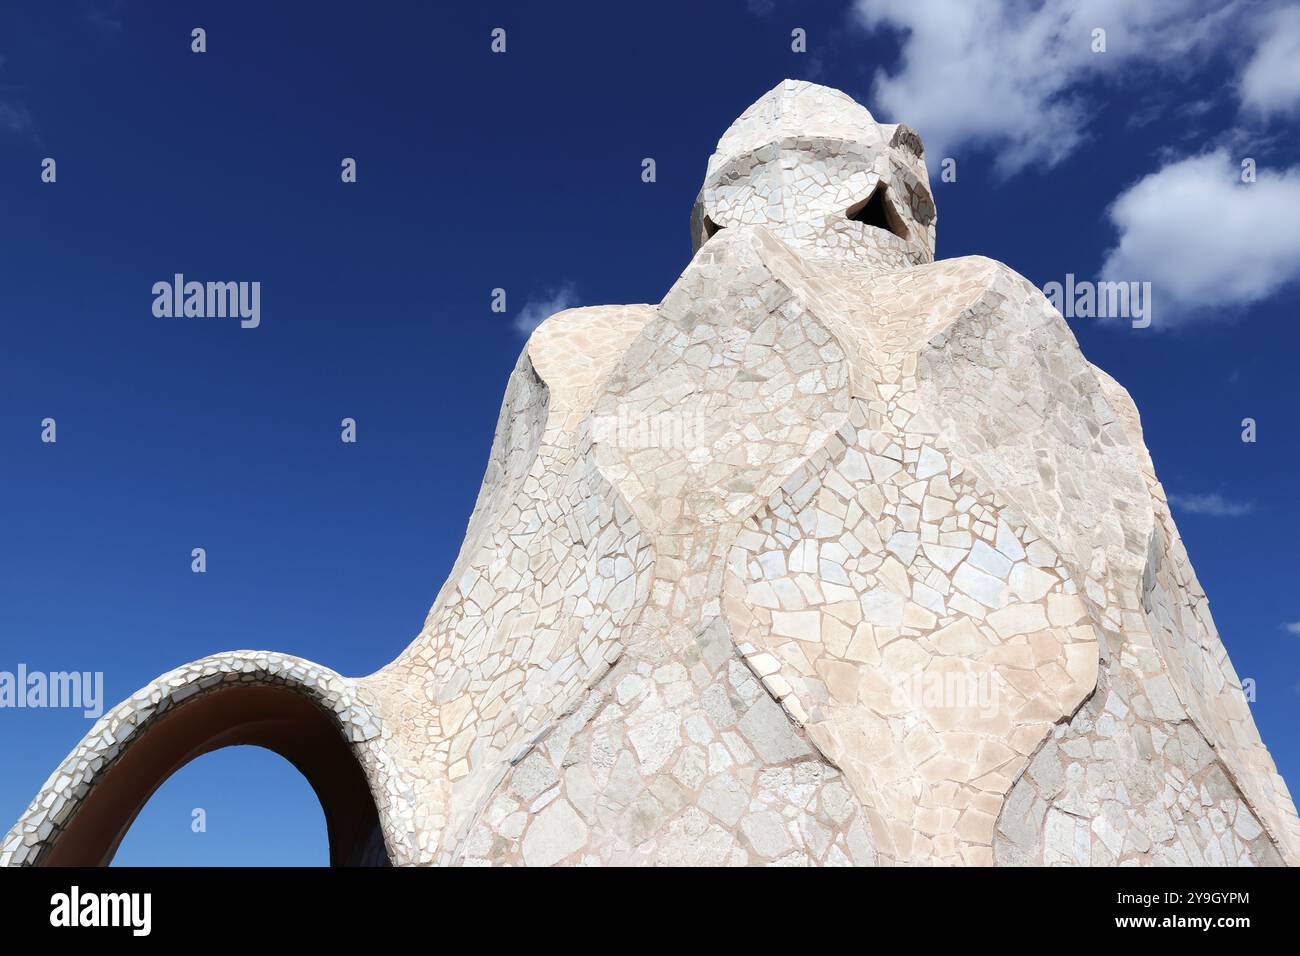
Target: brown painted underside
274,717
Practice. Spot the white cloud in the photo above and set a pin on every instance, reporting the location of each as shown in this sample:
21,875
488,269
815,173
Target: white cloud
1214,505
1271,81
537,311
1204,239
1293,627
14,118
1010,74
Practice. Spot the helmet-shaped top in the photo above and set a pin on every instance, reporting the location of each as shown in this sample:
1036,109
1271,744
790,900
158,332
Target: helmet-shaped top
815,168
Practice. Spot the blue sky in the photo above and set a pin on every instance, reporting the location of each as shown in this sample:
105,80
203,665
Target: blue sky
522,171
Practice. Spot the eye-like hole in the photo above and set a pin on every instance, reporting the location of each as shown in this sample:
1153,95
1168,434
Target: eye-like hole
710,228
875,211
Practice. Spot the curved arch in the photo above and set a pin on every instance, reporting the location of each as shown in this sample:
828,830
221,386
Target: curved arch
305,713
270,716
242,806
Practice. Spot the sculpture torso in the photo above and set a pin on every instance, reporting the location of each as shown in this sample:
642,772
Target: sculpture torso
888,494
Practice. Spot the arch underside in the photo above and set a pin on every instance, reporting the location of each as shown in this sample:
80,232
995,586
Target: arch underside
268,716
303,713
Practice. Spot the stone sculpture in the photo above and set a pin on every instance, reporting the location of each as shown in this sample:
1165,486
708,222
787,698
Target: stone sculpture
837,555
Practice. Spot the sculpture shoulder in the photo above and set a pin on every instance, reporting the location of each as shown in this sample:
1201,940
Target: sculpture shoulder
980,288
980,272
904,310
575,349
